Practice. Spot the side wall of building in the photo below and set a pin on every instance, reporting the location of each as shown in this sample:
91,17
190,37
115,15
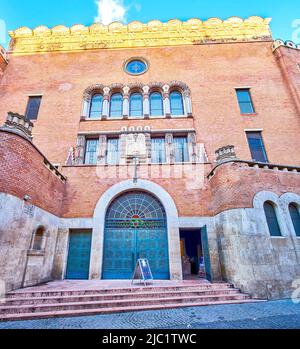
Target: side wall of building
30,199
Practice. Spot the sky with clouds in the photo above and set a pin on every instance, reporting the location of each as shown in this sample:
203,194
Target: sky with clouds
32,13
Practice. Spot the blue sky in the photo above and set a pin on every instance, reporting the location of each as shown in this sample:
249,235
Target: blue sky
31,13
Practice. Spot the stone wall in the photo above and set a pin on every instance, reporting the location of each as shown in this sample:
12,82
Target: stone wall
251,259
20,266
31,196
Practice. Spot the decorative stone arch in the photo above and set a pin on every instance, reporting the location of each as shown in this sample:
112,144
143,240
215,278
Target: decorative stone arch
136,87
156,87
172,224
91,90
179,86
287,199
116,88
258,202
132,89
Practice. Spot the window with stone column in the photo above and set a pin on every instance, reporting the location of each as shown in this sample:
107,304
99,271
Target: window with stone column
119,101
120,147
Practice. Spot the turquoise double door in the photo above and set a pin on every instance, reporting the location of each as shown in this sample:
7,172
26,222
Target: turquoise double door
123,247
135,227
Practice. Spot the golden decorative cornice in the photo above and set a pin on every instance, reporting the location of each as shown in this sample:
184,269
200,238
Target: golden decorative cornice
137,34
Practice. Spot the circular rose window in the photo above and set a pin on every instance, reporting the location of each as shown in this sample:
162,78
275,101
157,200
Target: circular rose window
136,66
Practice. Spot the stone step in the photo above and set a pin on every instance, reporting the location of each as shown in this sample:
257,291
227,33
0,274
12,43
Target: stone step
20,300
109,310
69,292
4,310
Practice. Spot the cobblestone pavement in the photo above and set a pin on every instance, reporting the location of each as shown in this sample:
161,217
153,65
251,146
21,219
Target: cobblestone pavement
268,315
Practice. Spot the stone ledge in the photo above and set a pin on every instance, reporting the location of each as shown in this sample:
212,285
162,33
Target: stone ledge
261,165
36,253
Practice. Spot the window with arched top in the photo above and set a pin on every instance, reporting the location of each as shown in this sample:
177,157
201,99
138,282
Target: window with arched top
272,220
116,105
96,106
176,102
295,216
136,105
38,241
156,104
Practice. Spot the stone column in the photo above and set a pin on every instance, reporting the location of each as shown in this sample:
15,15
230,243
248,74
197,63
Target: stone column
101,157
122,147
167,105
60,255
86,107
148,148
125,102
169,148
146,102
187,104
80,149
192,147
105,111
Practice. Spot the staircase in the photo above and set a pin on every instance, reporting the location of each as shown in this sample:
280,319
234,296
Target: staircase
37,303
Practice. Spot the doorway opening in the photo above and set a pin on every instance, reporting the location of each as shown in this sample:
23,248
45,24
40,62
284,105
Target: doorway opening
192,256
78,264
135,228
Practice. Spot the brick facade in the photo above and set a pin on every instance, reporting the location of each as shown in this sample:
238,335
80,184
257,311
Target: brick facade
220,194
24,172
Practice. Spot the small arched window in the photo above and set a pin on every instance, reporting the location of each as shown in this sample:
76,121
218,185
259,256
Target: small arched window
176,102
38,240
96,106
294,212
156,104
136,104
271,217
116,105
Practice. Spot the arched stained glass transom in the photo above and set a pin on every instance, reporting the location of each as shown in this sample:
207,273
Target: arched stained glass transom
135,227
136,205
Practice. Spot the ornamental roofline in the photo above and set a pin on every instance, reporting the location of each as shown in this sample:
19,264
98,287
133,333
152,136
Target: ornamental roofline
289,44
136,34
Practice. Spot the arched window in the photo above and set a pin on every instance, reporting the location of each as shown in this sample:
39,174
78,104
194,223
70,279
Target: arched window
272,219
156,104
136,104
96,106
116,105
176,103
38,240
294,212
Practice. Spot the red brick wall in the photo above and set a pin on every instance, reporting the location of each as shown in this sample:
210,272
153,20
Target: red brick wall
234,185
212,72
22,172
85,186
289,62
3,65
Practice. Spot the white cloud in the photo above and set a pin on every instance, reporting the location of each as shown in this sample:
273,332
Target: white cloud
110,11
